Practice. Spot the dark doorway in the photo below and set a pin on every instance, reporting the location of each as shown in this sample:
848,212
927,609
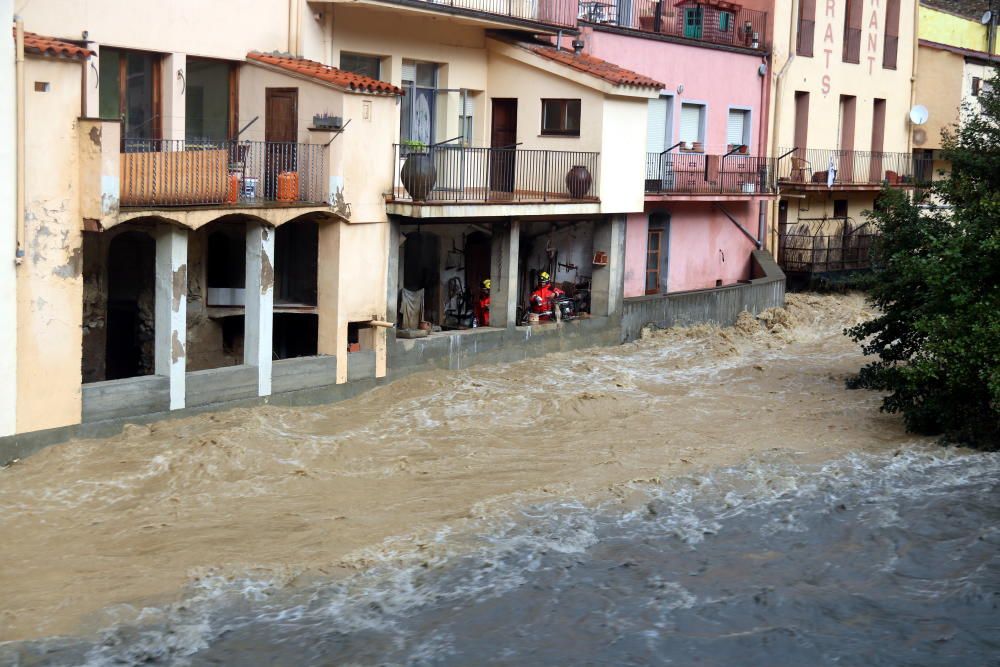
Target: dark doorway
422,269
477,262
503,140
131,317
281,131
782,227
296,263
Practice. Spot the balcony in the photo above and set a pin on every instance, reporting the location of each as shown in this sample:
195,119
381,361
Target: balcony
735,175
176,173
530,13
854,170
448,174
714,22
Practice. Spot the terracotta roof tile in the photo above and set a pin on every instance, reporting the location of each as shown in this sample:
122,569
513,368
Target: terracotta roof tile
338,77
49,46
588,64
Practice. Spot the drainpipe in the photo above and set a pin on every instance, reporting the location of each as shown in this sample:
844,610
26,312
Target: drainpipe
778,81
913,72
19,95
293,27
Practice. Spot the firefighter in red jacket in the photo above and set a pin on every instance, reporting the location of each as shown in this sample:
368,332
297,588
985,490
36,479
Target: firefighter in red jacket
543,298
482,310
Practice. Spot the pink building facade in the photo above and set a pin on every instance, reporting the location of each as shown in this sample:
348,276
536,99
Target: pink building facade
707,174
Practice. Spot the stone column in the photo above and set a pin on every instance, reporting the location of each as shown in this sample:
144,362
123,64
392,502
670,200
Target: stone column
171,308
332,335
8,209
608,286
174,90
259,319
503,273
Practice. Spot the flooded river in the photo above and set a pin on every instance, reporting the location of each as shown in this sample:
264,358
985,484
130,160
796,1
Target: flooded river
701,496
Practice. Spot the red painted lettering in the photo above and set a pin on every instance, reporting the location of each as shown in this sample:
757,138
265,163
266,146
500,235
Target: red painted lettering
871,64
873,22
872,41
828,36
831,7
828,52
826,84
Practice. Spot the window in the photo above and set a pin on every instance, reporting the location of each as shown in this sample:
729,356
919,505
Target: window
890,45
692,22
977,86
206,100
725,21
465,124
738,128
417,109
361,64
852,32
561,117
806,35
840,208
129,89
658,121
654,245
693,126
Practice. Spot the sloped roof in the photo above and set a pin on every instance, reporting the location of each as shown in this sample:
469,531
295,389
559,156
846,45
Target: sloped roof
970,9
50,46
314,70
588,64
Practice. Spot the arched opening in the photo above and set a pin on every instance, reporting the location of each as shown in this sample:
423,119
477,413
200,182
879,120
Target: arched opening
119,304
296,266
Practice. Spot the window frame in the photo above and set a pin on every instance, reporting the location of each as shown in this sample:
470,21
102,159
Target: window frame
702,126
726,20
568,103
659,233
352,54
747,126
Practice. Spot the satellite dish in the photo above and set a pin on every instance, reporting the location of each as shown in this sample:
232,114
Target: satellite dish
919,114
987,17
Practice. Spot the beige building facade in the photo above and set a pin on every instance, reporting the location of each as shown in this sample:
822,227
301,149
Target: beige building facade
215,215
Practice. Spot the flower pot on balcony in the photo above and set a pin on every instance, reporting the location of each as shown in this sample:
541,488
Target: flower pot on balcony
418,175
578,181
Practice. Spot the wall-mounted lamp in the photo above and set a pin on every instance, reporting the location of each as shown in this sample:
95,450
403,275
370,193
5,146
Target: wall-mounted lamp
180,77
680,88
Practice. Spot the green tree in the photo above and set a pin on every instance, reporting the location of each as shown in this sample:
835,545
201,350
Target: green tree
936,284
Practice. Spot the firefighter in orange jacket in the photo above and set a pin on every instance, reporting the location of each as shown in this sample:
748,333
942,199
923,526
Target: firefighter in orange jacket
543,298
482,310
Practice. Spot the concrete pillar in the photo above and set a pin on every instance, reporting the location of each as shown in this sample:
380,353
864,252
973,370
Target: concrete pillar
92,107
174,89
171,309
259,319
8,275
608,286
392,277
332,335
503,273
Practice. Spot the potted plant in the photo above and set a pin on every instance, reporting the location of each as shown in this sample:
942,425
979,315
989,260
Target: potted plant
418,173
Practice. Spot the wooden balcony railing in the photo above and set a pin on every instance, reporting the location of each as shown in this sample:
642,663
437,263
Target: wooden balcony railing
696,173
449,173
710,23
855,168
159,173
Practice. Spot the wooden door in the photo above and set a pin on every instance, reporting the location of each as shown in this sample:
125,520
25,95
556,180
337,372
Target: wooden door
281,130
503,148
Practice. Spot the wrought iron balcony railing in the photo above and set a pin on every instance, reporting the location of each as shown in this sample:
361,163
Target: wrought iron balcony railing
161,172
696,173
712,23
449,173
835,167
560,13
823,245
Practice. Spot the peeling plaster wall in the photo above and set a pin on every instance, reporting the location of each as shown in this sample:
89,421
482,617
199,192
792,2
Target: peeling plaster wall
205,345
50,284
8,281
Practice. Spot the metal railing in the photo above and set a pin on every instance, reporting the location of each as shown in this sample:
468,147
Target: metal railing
703,22
552,12
813,166
825,245
168,172
461,173
696,173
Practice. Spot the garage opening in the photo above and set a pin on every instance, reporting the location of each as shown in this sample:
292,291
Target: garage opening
216,295
565,251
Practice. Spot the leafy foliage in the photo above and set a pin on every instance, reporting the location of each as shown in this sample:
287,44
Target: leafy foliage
937,285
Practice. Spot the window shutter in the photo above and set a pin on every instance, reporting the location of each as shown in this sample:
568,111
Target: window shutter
469,105
690,123
656,128
409,71
735,127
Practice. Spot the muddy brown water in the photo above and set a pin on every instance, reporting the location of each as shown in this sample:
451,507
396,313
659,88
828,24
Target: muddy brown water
95,531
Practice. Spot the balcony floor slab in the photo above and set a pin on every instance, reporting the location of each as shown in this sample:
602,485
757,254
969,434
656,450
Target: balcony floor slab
491,210
194,217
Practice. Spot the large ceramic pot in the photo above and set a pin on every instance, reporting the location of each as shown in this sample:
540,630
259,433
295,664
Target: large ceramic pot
578,181
418,175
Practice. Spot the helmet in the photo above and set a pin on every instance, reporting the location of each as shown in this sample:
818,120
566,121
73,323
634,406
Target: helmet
543,277
487,283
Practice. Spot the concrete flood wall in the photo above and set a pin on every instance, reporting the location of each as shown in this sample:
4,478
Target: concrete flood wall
114,399
220,385
721,305
303,373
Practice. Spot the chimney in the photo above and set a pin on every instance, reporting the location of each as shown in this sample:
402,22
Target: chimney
578,46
